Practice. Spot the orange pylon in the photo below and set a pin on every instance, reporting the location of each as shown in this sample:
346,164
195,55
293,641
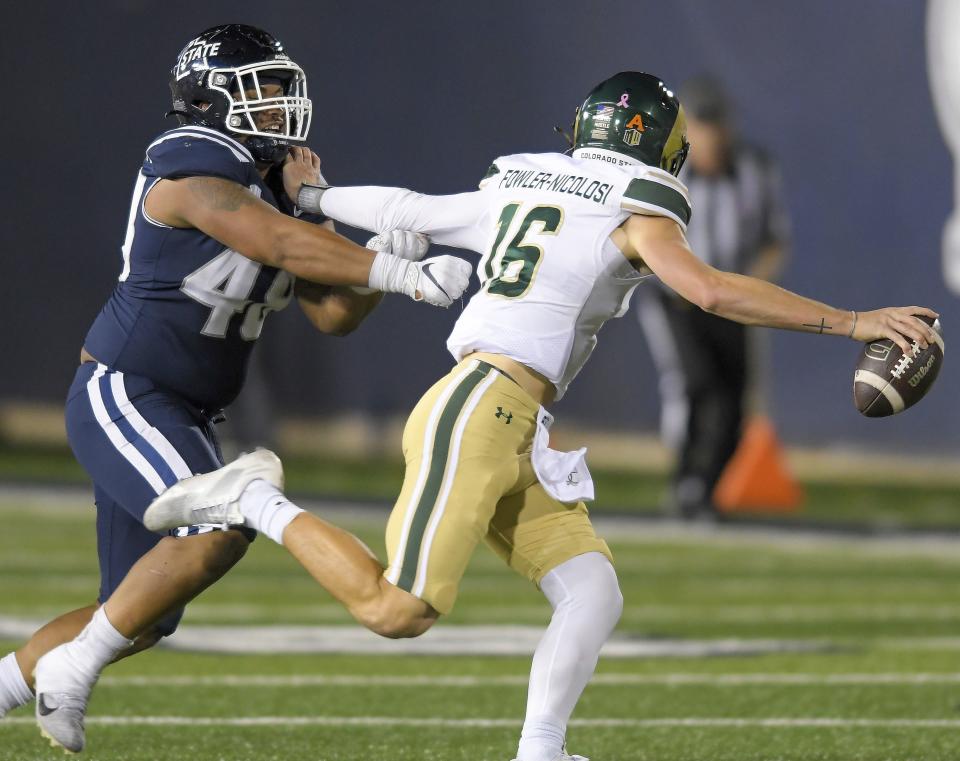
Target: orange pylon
757,478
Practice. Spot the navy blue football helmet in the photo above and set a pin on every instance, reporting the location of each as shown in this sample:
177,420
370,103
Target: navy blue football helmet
214,77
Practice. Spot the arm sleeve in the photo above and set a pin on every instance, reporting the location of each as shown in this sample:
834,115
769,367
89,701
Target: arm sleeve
449,220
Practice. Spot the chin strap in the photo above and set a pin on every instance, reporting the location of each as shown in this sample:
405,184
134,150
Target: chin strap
561,131
266,149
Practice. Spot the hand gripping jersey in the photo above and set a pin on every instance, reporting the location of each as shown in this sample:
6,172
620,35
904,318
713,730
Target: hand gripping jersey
187,309
550,275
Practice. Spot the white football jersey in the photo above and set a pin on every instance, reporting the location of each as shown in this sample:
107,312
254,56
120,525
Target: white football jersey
550,275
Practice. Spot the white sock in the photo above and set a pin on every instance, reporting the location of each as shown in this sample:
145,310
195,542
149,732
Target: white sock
267,510
14,690
98,644
75,666
586,604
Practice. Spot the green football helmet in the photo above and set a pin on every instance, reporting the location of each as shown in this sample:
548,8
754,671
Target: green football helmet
634,114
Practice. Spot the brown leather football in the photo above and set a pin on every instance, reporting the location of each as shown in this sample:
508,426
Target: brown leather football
887,382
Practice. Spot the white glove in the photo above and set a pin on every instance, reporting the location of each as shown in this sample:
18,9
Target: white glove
403,243
438,280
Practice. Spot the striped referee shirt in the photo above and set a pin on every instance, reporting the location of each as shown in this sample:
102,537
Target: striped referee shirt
737,213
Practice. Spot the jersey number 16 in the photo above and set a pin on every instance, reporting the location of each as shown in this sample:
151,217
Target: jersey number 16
508,269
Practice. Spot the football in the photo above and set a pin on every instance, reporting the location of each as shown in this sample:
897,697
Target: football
887,381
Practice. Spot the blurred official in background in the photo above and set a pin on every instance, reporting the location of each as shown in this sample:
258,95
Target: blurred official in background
738,224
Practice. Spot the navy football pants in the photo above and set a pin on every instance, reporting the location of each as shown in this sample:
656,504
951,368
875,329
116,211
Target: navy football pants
134,440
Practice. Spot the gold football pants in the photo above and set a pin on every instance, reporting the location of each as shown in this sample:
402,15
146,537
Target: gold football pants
467,448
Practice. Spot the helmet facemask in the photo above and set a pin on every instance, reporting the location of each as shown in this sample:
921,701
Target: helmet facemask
676,148
242,89
241,116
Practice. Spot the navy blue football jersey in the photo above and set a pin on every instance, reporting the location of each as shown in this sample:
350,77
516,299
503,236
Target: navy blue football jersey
188,309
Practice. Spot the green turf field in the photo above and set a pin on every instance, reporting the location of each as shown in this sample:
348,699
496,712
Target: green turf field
879,680
884,501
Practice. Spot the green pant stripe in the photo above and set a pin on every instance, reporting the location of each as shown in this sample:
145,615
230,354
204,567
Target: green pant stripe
438,465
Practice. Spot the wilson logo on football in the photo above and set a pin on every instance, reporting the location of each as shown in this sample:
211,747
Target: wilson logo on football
921,373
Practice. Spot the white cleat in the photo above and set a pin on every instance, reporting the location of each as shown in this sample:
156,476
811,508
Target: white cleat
63,690
564,757
213,497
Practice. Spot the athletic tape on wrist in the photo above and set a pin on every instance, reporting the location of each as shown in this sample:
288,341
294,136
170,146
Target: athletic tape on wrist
308,199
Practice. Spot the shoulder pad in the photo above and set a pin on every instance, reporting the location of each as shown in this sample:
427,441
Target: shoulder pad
655,192
198,151
492,172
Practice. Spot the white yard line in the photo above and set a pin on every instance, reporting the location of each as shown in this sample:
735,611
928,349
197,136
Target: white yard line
910,644
512,640
397,721
440,640
610,679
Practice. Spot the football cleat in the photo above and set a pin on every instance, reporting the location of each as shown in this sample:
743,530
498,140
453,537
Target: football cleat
213,497
63,690
564,757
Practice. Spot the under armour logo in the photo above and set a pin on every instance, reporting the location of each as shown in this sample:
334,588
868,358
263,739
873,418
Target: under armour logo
572,477
624,100
508,416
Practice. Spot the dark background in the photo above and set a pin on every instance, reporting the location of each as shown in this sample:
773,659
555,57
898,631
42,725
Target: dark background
424,95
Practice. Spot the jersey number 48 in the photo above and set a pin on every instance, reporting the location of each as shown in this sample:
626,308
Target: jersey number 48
224,284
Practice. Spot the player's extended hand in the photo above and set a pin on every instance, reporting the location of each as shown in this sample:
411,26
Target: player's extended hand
899,324
440,280
403,243
301,166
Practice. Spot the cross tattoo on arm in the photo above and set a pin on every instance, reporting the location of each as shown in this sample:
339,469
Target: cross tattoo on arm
821,327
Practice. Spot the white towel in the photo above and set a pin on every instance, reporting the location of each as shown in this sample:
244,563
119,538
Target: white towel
564,475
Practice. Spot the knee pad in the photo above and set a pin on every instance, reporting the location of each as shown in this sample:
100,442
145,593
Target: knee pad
588,585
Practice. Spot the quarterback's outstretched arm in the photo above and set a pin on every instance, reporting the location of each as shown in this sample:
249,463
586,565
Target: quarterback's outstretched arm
449,220
662,246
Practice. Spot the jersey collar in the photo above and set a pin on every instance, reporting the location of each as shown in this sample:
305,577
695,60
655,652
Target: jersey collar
604,156
222,135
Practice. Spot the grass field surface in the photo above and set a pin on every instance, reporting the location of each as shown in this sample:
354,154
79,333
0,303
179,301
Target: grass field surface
860,656
882,500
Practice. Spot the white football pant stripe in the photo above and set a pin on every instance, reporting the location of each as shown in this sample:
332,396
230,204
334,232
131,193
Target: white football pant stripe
472,401
126,448
392,574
